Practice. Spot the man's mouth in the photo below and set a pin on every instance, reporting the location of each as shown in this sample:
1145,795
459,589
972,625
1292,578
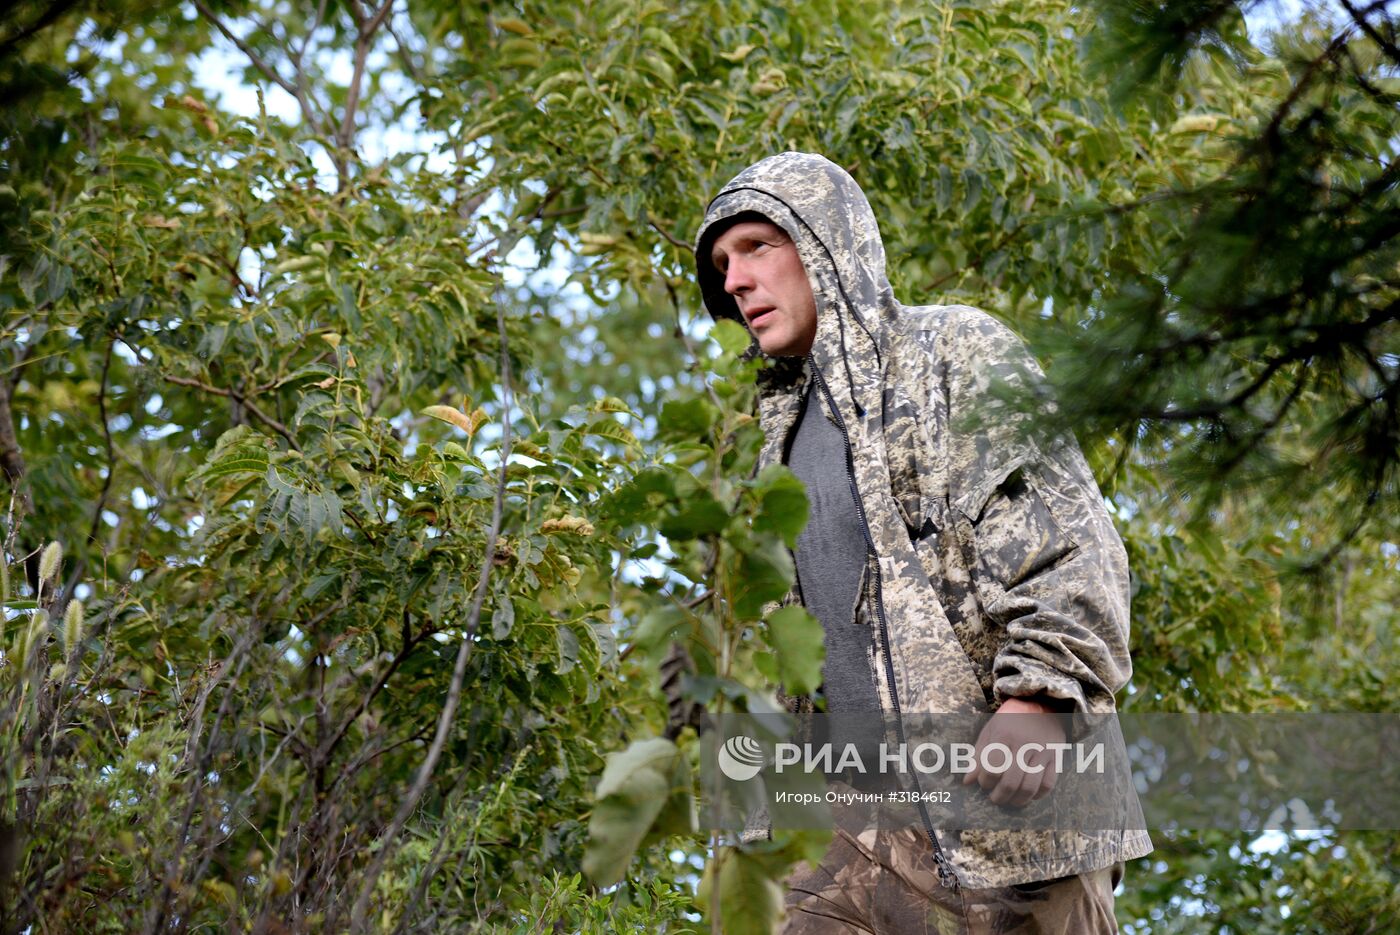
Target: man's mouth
757,316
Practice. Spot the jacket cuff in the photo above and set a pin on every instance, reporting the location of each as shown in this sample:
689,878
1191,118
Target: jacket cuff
1024,678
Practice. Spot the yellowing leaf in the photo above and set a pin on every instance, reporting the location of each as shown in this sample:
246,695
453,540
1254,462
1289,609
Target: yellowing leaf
449,414
295,263
1196,123
519,27
576,525
610,404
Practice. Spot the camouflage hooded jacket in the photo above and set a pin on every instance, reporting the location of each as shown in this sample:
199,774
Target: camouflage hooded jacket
993,569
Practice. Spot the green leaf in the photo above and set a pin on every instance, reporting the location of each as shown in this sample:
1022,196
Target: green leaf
607,428
972,189
319,584
761,572
349,310
688,419
731,336
658,628
750,901
637,784
243,459
699,515
796,638
568,649
641,498
783,504
611,404
503,617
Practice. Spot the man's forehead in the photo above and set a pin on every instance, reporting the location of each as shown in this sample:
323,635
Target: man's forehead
745,228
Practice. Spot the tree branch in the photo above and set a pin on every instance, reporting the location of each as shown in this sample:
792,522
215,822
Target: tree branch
1360,18
324,751
13,467
669,238
404,57
47,18
375,21
261,65
364,40
11,457
242,400
107,437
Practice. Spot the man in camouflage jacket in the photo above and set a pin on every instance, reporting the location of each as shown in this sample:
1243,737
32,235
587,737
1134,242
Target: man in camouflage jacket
993,571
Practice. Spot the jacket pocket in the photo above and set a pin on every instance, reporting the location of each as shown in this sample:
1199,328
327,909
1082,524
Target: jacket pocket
1015,535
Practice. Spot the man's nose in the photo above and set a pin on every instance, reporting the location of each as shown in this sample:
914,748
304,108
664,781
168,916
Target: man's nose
737,277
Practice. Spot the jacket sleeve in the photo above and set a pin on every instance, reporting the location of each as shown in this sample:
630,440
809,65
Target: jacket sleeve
1047,564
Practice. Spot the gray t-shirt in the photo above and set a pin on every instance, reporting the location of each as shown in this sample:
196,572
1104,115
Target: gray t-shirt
830,556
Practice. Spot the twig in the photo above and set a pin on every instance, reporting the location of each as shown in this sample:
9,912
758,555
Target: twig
405,58
690,346
1360,18
364,39
669,238
50,16
358,915
172,877
242,400
13,467
323,753
378,18
107,436
259,63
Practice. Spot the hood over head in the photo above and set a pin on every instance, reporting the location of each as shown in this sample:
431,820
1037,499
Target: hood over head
828,217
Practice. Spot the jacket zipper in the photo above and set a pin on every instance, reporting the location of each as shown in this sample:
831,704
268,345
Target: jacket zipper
946,875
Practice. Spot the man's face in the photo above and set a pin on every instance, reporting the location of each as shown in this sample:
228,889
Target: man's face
763,272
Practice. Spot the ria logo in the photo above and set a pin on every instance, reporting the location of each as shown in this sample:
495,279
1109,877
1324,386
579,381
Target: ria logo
740,758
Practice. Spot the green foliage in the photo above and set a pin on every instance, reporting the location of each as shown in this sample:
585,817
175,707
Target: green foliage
797,640
253,379
644,789
748,899
1257,328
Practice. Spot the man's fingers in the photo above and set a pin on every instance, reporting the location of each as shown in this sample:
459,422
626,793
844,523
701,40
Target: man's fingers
1017,787
987,779
1049,778
1005,789
1011,790
1023,781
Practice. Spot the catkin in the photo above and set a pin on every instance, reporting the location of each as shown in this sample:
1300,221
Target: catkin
72,626
49,561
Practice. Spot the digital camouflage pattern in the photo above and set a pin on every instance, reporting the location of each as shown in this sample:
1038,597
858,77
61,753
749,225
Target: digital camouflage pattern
886,882
994,568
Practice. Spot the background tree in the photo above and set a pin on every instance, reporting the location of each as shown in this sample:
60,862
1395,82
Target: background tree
390,455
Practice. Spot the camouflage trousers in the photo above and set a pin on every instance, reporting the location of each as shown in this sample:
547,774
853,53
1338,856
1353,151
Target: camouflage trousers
884,882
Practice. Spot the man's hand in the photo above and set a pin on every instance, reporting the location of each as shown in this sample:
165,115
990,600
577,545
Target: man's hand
1031,775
